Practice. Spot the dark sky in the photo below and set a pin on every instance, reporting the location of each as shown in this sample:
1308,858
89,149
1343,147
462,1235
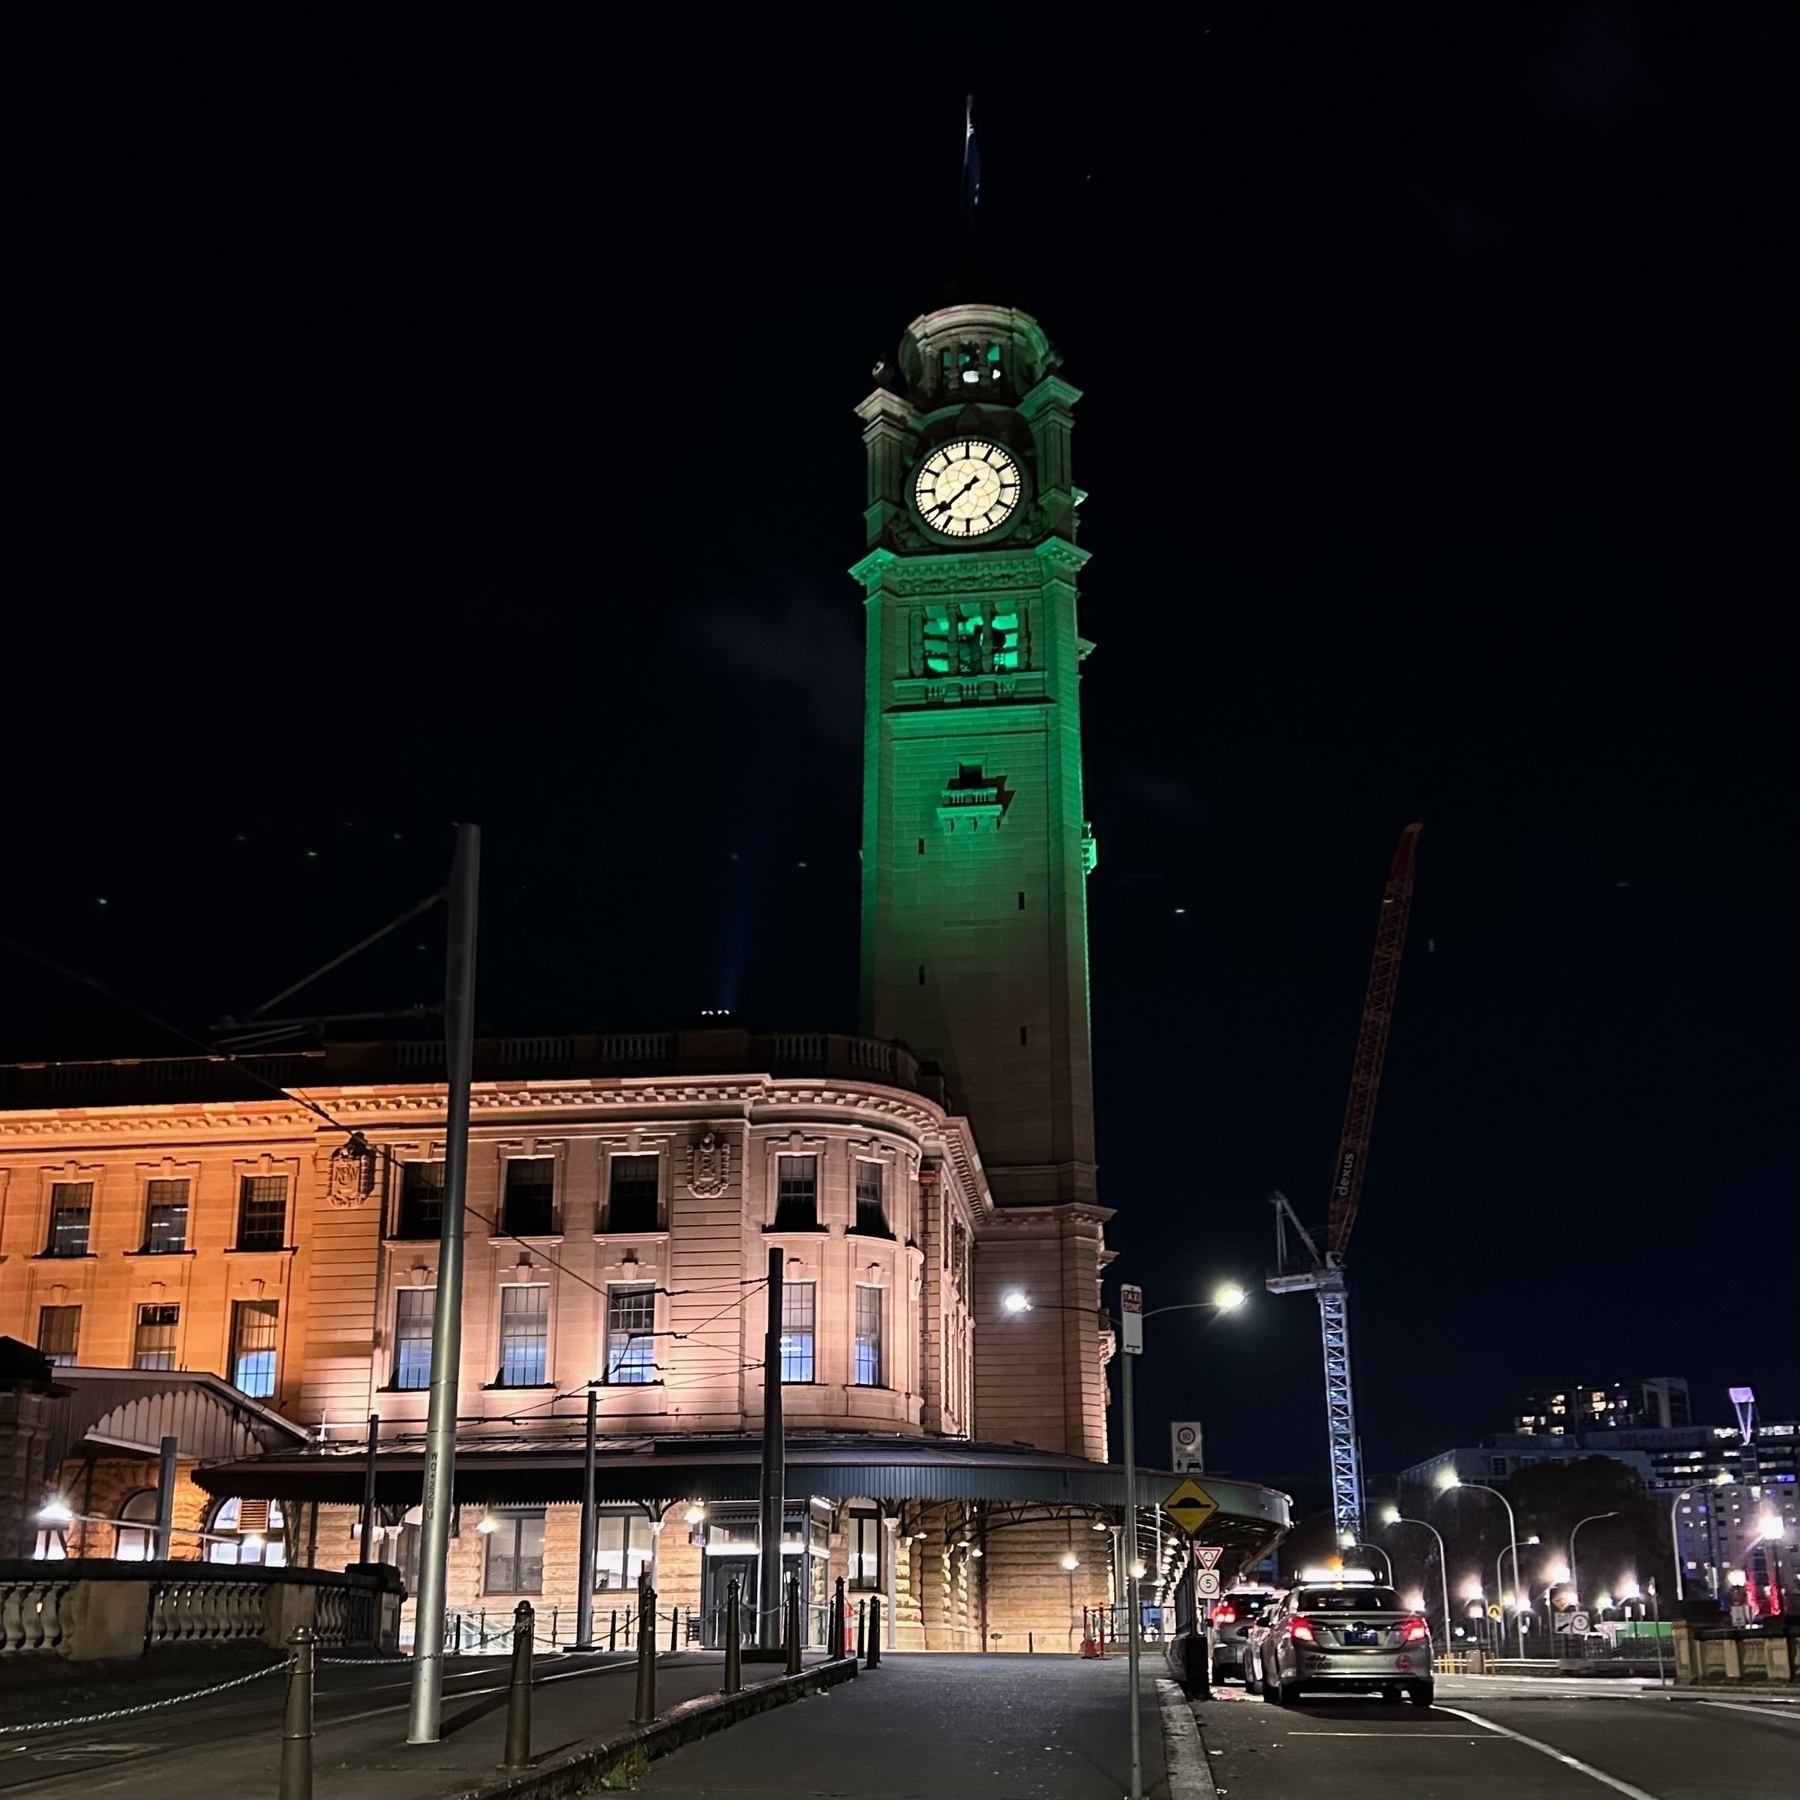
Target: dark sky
415,427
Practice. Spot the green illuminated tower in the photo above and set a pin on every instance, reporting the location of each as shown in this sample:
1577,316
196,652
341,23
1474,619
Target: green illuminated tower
975,847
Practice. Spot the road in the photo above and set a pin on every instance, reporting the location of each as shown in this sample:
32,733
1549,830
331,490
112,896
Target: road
1496,1740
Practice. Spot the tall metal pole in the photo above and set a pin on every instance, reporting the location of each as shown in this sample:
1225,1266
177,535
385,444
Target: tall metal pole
774,1471
446,1319
1131,1580
165,1497
584,1600
366,1535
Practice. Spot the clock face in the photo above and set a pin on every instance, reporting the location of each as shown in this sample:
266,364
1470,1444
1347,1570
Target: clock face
967,488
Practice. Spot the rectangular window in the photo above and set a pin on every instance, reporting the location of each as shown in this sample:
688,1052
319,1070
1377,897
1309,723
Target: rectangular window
412,1337
166,1218
621,1551
868,1335
865,1550
71,1208
262,1212
631,1199
154,1345
515,1552
871,1208
630,1348
797,1329
796,1193
59,1332
530,1195
253,1334
421,1200
524,1336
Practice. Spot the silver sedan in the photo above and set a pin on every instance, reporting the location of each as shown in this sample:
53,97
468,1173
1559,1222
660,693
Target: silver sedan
1345,1634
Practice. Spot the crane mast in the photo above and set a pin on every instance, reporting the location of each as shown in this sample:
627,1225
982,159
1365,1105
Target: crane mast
1324,1273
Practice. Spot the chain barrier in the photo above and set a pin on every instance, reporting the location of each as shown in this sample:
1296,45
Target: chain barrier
131,1712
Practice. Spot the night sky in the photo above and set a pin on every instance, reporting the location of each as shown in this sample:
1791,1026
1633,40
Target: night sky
411,427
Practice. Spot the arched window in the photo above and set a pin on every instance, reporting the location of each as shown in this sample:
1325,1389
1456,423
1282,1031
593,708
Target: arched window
248,1531
134,1537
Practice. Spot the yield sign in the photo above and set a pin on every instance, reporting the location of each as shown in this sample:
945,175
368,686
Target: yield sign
1207,1555
1190,1506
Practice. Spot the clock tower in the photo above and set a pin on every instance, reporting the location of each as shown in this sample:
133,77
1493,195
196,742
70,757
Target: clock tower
975,845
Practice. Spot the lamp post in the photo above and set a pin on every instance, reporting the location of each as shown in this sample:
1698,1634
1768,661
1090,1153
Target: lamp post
1130,1327
1575,1567
1450,1481
1393,1516
1387,1562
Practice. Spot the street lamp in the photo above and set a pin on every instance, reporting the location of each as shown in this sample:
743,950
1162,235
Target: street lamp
1772,1529
1450,1480
1228,1297
1391,1515
1574,1578
1348,1541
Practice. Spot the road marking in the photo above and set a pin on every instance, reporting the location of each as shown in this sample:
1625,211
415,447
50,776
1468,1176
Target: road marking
1550,1750
1410,1737
1764,1711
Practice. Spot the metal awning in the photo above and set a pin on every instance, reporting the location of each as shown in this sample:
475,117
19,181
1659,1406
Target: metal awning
128,1412
661,1471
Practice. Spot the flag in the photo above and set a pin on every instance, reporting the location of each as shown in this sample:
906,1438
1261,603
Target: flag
971,160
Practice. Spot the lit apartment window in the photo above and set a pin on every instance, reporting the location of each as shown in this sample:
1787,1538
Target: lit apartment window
796,1194
524,1336
71,1209
253,1335
630,1348
262,1212
515,1551
865,1549
868,1335
59,1331
621,1551
154,1345
871,1211
797,1328
412,1337
530,1195
421,1199
166,1218
631,1198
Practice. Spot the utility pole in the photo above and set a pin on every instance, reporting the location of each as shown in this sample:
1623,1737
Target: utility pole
584,1598
1131,1347
774,1471
446,1319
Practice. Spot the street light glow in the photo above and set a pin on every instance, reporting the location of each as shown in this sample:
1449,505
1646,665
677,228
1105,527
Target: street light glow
1390,1515
1230,1297
1016,1302
1448,1480
1771,1529
56,1511
1071,1561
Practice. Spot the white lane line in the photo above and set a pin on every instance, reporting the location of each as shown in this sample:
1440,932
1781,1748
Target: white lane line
1550,1750
1764,1711
1405,1737
1190,1775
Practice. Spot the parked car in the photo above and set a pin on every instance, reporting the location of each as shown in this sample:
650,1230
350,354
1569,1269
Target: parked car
1237,1611
1343,1634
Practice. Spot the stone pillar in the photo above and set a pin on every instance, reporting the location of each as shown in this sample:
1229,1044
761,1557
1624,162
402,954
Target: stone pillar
27,1400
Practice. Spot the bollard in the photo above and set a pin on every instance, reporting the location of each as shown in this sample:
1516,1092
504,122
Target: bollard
297,1727
518,1695
674,1629
835,1647
862,1628
1031,1643
612,1631
734,1641
792,1622
874,1660
646,1669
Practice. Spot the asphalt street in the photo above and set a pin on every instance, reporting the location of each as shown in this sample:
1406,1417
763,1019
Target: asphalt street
1487,1740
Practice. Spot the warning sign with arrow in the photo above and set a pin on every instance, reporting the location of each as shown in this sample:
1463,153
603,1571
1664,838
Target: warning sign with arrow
1190,1506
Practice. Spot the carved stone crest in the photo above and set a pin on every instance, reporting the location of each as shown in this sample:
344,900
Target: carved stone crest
709,1165
352,1172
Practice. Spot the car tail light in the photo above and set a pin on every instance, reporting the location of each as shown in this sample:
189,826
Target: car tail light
1416,1629
1301,1628
1224,1613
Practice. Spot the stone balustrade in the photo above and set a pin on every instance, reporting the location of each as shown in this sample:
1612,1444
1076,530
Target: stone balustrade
84,1611
1764,1655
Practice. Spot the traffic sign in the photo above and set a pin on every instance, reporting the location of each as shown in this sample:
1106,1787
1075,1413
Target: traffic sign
1131,1320
1190,1506
1187,1453
1206,1584
1496,1612
1207,1555
1580,1622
